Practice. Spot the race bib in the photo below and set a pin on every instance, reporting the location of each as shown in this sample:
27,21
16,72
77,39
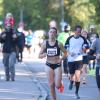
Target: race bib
52,51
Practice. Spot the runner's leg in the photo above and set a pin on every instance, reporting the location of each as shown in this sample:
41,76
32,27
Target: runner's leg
51,79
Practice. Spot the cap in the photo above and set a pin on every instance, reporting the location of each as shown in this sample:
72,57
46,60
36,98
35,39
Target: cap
67,27
92,26
9,15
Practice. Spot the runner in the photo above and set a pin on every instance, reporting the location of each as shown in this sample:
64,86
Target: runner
95,48
54,71
62,38
92,36
28,41
85,61
75,45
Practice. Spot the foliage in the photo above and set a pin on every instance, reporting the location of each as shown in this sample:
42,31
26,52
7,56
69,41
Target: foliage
80,11
38,13
96,4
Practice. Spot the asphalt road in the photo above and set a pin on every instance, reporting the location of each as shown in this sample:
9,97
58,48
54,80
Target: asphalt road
87,92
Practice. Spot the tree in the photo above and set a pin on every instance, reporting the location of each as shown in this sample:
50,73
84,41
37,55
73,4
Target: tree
96,3
38,13
79,12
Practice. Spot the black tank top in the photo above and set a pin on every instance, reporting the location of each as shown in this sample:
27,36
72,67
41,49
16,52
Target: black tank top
52,50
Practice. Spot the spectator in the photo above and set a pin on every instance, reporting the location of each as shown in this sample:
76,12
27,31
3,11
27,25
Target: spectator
8,38
9,19
20,44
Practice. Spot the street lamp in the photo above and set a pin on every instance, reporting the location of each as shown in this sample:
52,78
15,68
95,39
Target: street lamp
62,23
21,23
21,8
62,10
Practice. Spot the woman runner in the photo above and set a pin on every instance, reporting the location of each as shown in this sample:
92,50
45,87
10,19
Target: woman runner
51,49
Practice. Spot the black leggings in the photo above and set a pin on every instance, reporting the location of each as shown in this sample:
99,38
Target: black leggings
98,76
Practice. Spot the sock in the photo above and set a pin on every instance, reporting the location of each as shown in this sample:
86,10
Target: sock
77,84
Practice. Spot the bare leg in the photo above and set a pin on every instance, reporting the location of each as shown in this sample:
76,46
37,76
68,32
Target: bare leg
51,75
58,77
52,90
84,73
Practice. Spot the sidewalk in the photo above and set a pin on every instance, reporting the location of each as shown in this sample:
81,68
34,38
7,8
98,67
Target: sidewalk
23,88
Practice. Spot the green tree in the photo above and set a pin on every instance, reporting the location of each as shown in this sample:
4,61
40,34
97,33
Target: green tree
38,13
79,12
96,3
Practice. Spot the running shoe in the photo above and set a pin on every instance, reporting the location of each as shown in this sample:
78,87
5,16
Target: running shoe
61,89
77,95
84,82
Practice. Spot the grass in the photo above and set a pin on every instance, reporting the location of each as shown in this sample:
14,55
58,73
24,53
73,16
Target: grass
91,72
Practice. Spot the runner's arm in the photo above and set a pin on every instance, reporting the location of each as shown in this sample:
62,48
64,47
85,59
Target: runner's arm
63,50
42,52
92,48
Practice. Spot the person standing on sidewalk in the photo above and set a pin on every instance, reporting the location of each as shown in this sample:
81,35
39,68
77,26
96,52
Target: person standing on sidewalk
76,45
20,44
8,38
9,19
51,49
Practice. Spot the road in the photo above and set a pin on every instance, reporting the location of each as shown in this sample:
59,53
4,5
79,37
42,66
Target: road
87,92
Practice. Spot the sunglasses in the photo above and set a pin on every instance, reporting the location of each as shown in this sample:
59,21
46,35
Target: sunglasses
52,31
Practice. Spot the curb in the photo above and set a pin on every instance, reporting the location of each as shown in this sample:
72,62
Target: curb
43,95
